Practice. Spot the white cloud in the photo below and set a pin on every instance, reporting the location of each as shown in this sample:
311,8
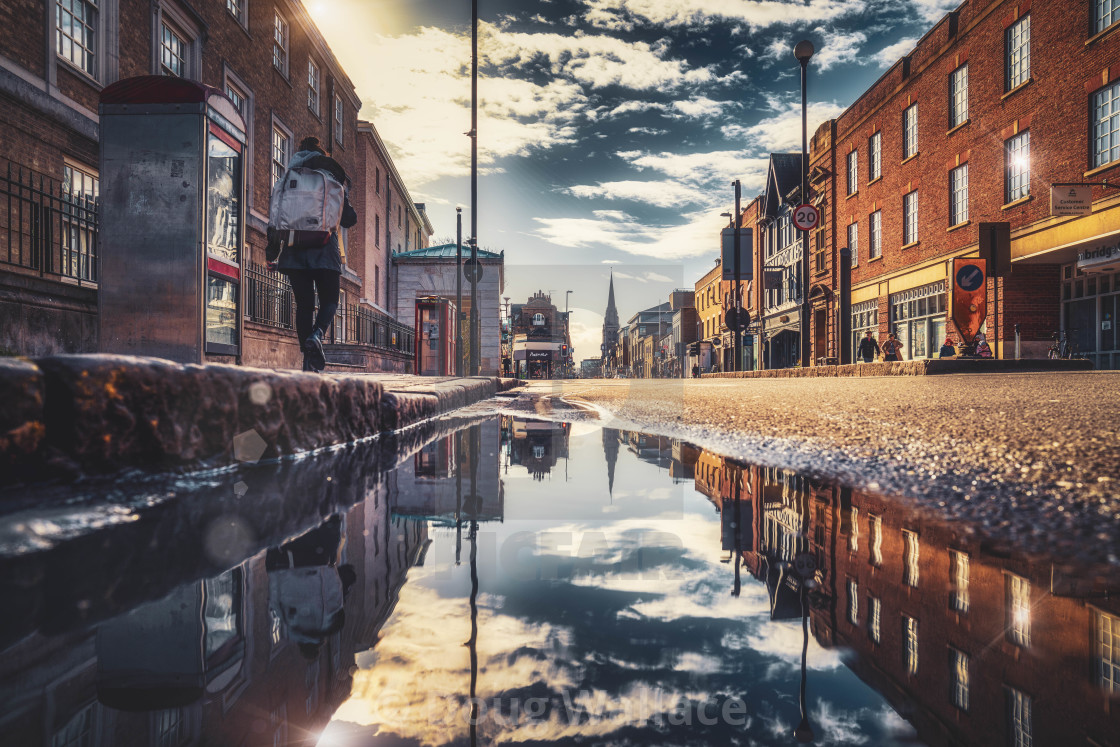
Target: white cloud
756,14
698,236
782,131
698,107
711,169
888,55
652,131
657,193
634,106
841,47
931,11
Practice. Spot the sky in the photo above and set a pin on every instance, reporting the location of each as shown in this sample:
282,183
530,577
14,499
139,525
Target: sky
610,131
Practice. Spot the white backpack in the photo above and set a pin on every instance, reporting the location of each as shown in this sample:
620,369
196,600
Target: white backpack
306,206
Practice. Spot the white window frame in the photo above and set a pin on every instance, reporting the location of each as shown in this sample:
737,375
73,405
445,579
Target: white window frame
958,678
1105,13
910,131
1106,123
1106,651
1018,610
1017,53
910,218
853,172
281,42
958,96
853,242
1019,718
168,14
958,195
853,535
339,121
874,157
874,619
910,637
277,169
875,235
959,573
875,530
853,601
78,239
314,86
90,52
1017,167
910,568
232,80
239,9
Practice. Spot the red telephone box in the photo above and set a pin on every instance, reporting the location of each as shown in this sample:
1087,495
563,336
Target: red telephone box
436,346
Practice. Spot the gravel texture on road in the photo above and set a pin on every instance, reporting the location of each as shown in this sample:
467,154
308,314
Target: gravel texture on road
1031,458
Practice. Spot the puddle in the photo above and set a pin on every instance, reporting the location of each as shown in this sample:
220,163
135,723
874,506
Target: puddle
520,581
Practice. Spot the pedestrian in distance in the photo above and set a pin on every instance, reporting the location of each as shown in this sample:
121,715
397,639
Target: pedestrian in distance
696,372
947,350
317,269
868,348
892,348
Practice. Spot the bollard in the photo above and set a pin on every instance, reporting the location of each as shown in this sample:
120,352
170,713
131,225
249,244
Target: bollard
1016,341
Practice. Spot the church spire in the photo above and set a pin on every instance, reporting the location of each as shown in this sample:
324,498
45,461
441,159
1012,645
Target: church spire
611,317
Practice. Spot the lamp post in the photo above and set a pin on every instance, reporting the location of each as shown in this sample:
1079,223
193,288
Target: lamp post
458,291
567,335
803,51
476,337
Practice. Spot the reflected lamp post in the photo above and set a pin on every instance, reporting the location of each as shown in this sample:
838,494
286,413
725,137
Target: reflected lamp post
803,52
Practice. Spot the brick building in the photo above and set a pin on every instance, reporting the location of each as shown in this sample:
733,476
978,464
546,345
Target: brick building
970,127
969,641
708,298
268,57
542,342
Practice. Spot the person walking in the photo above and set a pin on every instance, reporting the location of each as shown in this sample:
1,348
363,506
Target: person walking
868,348
892,348
317,269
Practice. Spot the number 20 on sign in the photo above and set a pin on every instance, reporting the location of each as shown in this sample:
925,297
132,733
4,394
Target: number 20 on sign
806,217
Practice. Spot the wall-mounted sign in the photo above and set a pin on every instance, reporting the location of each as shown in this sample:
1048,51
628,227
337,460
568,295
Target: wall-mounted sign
1066,200
746,253
1098,260
538,355
772,279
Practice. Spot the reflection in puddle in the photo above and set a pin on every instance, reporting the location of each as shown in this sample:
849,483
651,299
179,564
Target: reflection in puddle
517,581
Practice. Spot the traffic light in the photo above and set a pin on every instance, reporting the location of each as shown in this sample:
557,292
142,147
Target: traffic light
563,351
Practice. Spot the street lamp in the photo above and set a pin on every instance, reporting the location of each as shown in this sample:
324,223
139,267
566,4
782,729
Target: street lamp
803,51
567,333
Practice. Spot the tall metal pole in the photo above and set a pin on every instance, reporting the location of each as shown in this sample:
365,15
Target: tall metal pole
458,291
567,335
737,340
475,337
803,51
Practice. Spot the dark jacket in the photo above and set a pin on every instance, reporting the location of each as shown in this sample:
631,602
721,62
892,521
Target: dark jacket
868,348
325,257
947,351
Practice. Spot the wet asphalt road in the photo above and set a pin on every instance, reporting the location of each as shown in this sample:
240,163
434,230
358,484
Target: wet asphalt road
1033,458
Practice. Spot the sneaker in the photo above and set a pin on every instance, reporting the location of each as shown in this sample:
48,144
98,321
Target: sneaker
313,350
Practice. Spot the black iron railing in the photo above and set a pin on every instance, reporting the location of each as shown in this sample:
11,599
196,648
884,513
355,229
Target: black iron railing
47,225
360,325
268,297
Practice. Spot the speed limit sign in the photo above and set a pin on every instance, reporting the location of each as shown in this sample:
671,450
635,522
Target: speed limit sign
806,217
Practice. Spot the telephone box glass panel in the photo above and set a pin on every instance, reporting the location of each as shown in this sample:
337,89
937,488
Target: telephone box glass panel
223,200
221,311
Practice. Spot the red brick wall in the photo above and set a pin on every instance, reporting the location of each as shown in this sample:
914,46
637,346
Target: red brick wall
1054,106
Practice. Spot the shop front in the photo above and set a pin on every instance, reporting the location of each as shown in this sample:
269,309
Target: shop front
919,319
1090,304
781,341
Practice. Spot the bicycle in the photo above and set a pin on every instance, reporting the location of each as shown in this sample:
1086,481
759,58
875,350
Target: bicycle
1064,347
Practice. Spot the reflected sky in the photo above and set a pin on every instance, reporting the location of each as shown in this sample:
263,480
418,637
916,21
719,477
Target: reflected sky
605,616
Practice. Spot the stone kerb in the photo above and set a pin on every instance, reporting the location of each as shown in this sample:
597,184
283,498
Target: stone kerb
914,368
74,414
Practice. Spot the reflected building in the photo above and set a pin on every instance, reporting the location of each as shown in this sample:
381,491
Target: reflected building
537,445
967,640
612,439
214,662
453,478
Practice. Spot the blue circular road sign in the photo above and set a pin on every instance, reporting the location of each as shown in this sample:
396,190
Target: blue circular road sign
970,277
